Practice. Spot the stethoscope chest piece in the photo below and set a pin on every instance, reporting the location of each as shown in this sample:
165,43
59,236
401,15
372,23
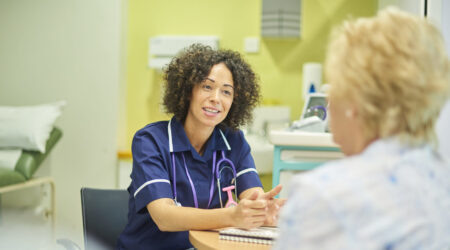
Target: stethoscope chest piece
230,202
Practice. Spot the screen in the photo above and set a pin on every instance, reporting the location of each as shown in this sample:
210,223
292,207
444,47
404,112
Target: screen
315,105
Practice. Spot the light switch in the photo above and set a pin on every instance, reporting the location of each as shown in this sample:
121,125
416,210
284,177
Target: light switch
251,44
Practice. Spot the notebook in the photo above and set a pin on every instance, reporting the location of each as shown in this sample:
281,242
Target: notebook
260,235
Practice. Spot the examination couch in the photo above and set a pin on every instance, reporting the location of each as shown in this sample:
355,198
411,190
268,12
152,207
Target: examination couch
21,176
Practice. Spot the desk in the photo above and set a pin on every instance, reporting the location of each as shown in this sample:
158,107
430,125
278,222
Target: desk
209,240
299,151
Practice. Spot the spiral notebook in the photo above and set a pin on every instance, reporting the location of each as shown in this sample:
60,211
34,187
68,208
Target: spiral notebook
260,235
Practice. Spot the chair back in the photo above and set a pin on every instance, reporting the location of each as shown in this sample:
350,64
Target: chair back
104,217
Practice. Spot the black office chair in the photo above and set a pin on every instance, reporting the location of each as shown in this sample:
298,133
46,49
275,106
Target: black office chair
104,216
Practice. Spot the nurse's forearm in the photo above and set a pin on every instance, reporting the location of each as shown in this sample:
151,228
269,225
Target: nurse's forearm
169,217
249,213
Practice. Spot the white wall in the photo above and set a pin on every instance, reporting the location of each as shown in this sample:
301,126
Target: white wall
443,125
411,6
68,50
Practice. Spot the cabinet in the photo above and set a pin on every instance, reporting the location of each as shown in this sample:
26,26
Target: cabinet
296,151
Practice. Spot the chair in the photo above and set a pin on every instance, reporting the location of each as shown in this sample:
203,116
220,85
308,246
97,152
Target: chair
105,214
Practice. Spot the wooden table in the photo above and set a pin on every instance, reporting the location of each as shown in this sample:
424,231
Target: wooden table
208,240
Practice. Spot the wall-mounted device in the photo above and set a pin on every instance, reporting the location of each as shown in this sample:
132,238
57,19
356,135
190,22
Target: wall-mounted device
163,48
315,105
314,117
280,18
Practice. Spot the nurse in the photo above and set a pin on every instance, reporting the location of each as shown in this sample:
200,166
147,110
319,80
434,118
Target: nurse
183,167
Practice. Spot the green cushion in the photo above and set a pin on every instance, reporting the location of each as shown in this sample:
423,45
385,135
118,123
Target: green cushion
9,177
29,161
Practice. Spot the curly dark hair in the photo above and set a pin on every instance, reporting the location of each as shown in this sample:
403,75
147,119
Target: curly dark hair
193,65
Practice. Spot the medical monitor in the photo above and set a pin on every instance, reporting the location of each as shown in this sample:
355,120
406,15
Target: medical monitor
315,105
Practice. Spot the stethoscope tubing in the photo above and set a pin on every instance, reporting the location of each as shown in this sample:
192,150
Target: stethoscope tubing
215,173
211,188
194,192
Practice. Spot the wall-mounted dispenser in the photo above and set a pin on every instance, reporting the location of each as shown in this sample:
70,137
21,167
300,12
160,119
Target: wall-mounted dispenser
163,48
312,78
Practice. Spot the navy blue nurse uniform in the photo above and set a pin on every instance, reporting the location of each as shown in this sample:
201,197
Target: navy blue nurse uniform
152,178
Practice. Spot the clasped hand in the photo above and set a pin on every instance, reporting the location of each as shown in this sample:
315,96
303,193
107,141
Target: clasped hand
258,209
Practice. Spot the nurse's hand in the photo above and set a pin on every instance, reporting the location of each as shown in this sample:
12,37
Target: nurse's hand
273,205
250,212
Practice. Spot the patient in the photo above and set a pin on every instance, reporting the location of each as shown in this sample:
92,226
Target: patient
389,79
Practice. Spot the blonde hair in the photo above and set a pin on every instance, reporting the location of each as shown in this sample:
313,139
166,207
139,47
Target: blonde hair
394,67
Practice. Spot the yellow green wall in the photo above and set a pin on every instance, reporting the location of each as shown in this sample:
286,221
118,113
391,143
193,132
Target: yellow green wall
278,63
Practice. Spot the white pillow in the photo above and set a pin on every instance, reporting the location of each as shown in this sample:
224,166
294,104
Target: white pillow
28,127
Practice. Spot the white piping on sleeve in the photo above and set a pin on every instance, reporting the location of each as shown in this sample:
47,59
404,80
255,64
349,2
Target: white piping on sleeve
148,183
243,172
246,171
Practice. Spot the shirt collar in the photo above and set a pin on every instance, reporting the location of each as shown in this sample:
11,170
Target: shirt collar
181,142
391,145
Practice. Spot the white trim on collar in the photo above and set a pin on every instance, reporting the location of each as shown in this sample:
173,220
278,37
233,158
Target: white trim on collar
225,140
169,130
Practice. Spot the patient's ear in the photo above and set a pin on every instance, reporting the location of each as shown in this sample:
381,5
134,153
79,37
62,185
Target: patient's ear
351,112
348,113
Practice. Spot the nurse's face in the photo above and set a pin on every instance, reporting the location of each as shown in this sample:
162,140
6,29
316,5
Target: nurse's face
211,99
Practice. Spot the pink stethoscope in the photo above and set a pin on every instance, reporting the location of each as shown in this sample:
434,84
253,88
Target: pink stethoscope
216,173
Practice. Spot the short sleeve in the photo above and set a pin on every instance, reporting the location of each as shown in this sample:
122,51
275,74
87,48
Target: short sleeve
307,220
150,178
246,173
